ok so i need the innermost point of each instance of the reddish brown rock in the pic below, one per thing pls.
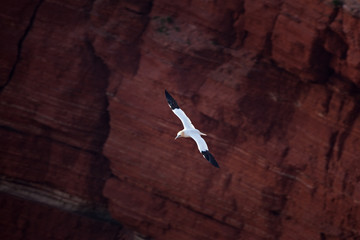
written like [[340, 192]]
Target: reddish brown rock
[[86, 127], [54, 119], [21, 219]]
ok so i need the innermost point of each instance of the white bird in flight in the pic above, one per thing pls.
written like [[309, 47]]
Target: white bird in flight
[[190, 131]]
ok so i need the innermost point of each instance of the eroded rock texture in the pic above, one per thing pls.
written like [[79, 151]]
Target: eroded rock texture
[[87, 137]]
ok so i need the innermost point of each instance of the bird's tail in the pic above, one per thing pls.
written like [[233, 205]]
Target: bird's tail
[[203, 134]]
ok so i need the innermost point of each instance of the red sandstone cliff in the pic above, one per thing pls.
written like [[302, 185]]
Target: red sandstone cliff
[[87, 137]]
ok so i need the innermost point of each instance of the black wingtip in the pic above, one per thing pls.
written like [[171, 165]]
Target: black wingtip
[[208, 156], [171, 101]]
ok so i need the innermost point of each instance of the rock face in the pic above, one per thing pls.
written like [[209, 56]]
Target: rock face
[[87, 137]]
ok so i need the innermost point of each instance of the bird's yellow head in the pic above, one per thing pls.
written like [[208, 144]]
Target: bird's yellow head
[[179, 134]]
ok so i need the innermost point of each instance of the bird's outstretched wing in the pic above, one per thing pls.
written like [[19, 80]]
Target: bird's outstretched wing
[[178, 112], [203, 148]]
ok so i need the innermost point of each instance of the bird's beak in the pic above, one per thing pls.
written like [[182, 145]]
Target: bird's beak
[[177, 137]]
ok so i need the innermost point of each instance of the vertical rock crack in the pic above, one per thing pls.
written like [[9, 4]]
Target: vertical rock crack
[[20, 44]]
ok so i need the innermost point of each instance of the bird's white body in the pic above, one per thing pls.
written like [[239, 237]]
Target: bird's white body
[[190, 132], [196, 135]]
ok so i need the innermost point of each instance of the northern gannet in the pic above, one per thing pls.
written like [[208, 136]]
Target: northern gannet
[[189, 130]]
